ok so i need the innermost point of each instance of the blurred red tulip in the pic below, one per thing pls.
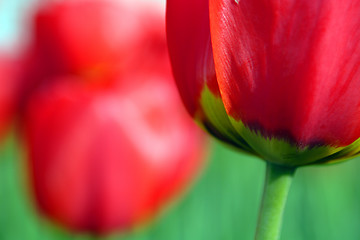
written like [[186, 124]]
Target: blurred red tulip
[[9, 73], [106, 151], [93, 39], [288, 74], [105, 159]]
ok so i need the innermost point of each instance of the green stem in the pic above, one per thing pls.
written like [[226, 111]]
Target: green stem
[[276, 187]]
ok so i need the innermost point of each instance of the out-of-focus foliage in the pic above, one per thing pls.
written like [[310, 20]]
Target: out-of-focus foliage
[[323, 203]]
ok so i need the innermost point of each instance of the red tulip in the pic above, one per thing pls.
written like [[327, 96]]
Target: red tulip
[[105, 159], [9, 71], [93, 39], [106, 150], [286, 77]]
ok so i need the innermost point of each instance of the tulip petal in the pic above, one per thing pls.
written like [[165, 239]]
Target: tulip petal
[[350, 151], [188, 35], [125, 152], [9, 72], [280, 151], [215, 121], [290, 70]]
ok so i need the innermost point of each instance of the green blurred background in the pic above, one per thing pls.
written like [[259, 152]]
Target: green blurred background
[[323, 204]]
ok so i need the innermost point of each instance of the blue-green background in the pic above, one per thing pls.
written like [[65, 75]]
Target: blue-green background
[[323, 204]]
